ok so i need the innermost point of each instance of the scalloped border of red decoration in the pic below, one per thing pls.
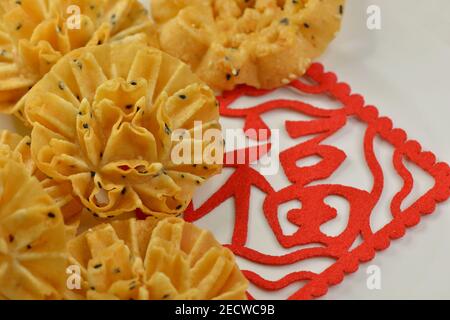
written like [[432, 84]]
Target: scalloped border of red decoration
[[380, 240]]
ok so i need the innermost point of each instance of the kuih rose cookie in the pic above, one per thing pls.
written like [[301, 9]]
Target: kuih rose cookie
[[151, 260], [33, 257], [262, 43], [61, 192], [105, 119], [35, 34]]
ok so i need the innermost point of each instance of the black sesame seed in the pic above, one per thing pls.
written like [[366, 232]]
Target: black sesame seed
[[284, 21], [182, 97], [129, 106], [19, 26], [98, 266], [124, 190], [341, 9], [133, 83], [306, 25], [29, 246], [51, 215], [167, 129], [93, 174], [85, 126], [11, 238], [179, 207], [79, 64]]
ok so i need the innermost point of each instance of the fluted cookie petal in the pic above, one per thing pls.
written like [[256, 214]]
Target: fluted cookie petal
[[33, 257], [110, 120], [167, 259], [261, 43], [35, 34]]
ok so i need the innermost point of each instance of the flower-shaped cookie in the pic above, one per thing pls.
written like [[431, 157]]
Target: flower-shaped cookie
[[151, 260], [261, 43], [109, 118], [61, 192], [35, 34], [33, 257]]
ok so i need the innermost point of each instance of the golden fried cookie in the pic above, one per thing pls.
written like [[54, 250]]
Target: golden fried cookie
[[61, 192], [35, 34], [151, 260], [33, 257], [261, 43], [107, 119]]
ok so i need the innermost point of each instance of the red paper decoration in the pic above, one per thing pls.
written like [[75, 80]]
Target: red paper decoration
[[314, 211]]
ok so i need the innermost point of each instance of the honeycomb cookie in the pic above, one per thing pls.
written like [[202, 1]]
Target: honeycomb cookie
[[111, 127], [154, 259], [61, 192], [260, 43], [33, 256], [35, 34]]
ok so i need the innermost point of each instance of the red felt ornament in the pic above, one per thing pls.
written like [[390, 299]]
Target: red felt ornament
[[314, 212]]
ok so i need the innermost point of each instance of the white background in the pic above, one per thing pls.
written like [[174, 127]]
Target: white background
[[404, 70]]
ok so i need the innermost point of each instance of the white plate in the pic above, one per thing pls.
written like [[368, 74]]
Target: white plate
[[403, 69]]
